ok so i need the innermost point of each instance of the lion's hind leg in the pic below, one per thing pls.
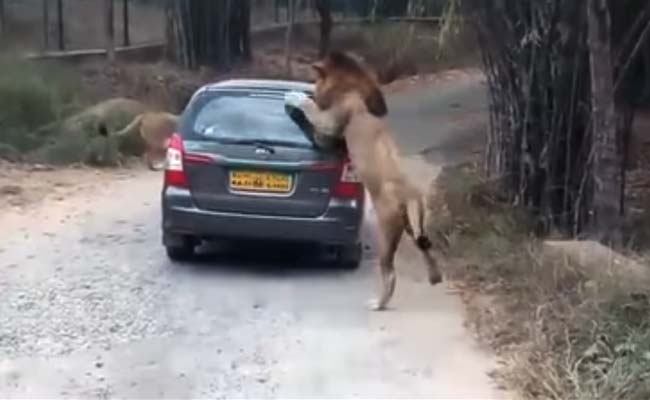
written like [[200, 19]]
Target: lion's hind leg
[[391, 230], [415, 223], [154, 161], [434, 274]]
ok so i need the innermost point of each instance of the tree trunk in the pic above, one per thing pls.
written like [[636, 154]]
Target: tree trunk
[[234, 31], [606, 162], [239, 30], [208, 32], [60, 28], [324, 8], [291, 13], [373, 10], [110, 30], [125, 23]]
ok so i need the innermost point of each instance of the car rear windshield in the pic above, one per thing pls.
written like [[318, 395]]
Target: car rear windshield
[[246, 117]]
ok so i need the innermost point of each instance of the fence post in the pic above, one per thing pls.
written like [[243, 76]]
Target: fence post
[[125, 22], [245, 21], [324, 9], [3, 21], [276, 10], [46, 24], [291, 15], [60, 27], [110, 30]]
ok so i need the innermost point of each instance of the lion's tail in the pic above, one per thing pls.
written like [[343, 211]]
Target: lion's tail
[[415, 214], [135, 124]]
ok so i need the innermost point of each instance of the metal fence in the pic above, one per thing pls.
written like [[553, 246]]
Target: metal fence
[[33, 26], [45, 25]]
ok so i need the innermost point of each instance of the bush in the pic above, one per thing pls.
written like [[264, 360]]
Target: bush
[[33, 95], [77, 147], [561, 334]]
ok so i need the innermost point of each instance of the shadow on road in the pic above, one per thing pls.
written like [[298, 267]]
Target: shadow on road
[[268, 259]]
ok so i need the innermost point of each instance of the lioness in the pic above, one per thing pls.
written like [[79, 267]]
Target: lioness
[[155, 130], [340, 110]]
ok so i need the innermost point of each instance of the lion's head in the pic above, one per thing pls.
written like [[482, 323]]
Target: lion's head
[[340, 73]]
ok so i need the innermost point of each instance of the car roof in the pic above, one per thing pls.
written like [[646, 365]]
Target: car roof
[[263, 84]]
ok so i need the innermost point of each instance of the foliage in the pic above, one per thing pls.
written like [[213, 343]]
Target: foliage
[[536, 58], [33, 95], [77, 139], [41, 116], [560, 333]]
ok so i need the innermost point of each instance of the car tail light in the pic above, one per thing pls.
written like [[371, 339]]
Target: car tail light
[[177, 159], [174, 172], [348, 185]]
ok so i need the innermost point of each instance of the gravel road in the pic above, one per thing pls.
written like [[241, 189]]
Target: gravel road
[[91, 308]]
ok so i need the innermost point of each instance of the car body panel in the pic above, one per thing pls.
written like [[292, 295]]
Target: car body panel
[[211, 208]]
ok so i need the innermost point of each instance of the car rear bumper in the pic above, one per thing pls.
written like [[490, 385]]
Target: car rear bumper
[[339, 225]]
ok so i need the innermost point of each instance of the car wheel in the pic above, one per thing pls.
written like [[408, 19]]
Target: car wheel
[[180, 253], [349, 257]]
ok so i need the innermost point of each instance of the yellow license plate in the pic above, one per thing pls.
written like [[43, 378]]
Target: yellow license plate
[[253, 181]]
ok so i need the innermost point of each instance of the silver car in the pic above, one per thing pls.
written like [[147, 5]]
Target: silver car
[[244, 166]]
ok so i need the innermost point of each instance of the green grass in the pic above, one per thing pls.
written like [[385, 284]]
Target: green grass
[[35, 100], [33, 95]]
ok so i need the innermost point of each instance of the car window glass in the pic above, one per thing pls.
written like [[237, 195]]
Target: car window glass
[[228, 117]]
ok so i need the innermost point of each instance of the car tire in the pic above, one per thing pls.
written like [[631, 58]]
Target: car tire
[[349, 257], [181, 253]]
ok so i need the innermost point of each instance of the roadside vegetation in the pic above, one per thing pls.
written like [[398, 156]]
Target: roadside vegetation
[[49, 111], [33, 95], [561, 333], [558, 154]]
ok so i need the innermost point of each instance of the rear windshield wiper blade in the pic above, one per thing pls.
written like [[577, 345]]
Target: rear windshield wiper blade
[[265, 143]]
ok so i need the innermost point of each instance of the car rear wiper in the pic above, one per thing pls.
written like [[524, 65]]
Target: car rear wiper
[[281, 143], [298, 117], [268, 144]]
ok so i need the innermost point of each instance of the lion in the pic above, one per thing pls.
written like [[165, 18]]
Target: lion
[[154, 130], [342, 108]]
